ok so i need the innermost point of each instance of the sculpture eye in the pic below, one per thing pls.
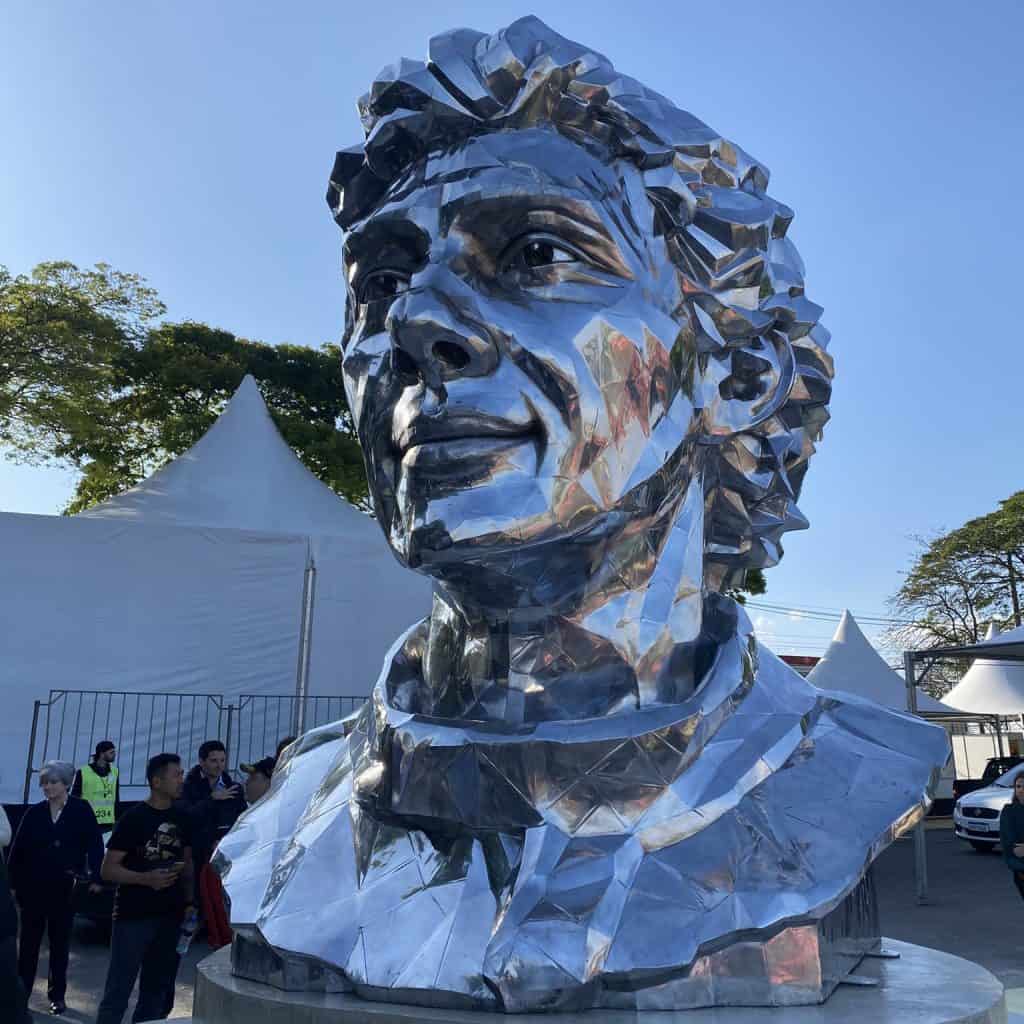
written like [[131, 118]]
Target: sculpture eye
[[381, 285], [535, 252]]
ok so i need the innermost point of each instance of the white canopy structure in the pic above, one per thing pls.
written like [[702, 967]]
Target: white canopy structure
[[991, 687], [853, 665], [1002, 645], [231, 571], [240, 475]]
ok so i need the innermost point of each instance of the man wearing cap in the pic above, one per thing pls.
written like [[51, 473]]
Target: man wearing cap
[[211, 892], [257, 785], [97, 783]]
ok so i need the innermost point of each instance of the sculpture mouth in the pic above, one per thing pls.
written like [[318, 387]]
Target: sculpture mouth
[[469, 460], [461, 436]]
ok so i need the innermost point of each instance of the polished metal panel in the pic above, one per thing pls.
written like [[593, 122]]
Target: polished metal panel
[[587, 384]]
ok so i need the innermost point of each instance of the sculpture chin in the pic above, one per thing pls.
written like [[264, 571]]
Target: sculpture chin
[[498, 557], [540, 542]]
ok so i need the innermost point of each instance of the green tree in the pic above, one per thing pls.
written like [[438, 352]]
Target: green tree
[[944, 600], [994, 545], [62, 331], [88, 379], [172, 386], [959, 582]]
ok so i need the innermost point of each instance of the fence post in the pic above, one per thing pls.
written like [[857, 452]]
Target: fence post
[[31, 750]]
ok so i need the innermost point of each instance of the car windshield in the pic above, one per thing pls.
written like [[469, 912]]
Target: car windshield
[[1006, 779]]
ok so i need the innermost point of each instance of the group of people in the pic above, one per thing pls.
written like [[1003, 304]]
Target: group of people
[[156, 854]]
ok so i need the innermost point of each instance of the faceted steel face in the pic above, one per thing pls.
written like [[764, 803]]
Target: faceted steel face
[[519, 368], [587, 384]]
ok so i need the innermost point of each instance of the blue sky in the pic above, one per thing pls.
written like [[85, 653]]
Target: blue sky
[[191, 142]]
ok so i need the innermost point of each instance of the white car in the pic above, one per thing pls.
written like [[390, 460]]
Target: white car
[[976, 815]]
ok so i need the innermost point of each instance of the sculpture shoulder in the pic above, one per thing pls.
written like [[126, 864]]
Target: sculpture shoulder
[[861, 773], [858, 715]]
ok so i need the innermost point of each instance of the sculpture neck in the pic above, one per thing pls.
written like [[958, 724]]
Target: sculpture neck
[[628, 637]]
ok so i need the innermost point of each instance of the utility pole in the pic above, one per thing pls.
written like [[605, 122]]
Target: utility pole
[[920, 848]]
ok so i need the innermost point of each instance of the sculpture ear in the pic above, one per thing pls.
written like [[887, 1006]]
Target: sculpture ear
[[746, 382]]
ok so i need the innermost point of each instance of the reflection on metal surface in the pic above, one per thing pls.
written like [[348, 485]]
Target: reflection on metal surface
[[922, 986], [587, 384]]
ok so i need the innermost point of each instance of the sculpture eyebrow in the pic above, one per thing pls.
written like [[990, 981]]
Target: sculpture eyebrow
[[387, 231], [526, 207], [498, 220], [393, 230]]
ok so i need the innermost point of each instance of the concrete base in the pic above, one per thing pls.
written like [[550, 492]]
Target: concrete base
[[923, 986]]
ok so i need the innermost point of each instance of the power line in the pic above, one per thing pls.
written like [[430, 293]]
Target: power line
[[785, 634], [821, 615], [807, 613], [826, 609]]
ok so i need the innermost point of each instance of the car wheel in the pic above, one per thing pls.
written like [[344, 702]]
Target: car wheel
[[982, 847]]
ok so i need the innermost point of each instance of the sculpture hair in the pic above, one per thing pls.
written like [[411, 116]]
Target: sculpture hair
[[742, 277]]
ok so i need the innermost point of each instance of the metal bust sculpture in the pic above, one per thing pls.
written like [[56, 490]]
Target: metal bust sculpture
[[587, 383]]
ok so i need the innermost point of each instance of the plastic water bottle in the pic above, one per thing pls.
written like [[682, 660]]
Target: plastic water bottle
[[187, 932]]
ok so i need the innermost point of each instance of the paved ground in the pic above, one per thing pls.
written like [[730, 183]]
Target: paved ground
[[88, 971], [973, 908], [973, 911]]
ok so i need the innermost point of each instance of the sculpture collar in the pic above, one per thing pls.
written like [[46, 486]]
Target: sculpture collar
[[661, 771]]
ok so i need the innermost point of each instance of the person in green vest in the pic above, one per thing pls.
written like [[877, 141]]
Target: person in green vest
[[97, 783]]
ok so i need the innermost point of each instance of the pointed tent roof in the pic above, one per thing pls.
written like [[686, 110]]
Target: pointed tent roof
[[1002, 646], [992, 687], [853, 665], [1009, 643], [240, 475]]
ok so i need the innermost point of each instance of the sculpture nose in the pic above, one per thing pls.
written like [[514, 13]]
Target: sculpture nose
[[434, 338]]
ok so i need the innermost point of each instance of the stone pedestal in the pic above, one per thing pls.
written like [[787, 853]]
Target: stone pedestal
[[923, 986]]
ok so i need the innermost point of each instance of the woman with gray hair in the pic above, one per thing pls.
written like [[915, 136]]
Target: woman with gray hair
[[55, 840]]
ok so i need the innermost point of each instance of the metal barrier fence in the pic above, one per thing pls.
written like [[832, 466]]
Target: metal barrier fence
[[263, 720], [67, 726]]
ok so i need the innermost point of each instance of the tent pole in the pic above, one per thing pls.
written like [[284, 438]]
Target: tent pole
[[911, 682], [305, 639], [920, 846]]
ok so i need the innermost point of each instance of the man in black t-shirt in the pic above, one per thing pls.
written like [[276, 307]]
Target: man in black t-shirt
[[149, 856]]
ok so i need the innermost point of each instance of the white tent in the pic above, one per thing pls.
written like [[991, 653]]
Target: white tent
[[240, 475], [1009, 644], [853, 665], [232, 571], [991, 687]]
